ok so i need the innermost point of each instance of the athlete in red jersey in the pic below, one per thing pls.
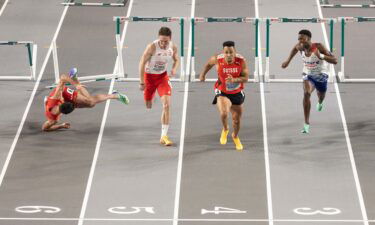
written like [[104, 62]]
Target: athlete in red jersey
[[153, 76], [64, 100], [232, 74]]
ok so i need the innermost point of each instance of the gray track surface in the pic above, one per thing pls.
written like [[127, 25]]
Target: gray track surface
[[20, 22], [358, 42], [1, 3], [357, 98], [140, 34], [209, 37], [55, 173], [214, 175], [145, 175], [361, 129], [303, 174]]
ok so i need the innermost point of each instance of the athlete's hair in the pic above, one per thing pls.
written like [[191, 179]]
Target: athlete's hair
[[66, 107], [228, 44], [165, 31], [305, 32]]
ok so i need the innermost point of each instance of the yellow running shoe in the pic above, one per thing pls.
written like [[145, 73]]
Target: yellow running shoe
[[223, 137], [237, 142], [165, 141]]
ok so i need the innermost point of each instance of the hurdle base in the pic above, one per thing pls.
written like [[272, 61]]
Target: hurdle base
[[16, 78]]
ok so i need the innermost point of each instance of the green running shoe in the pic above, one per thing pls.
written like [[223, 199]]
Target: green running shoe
[[319, 107], [122, 97], [306, 129]]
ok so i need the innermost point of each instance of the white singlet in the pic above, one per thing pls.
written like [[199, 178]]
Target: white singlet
[[159, 61]]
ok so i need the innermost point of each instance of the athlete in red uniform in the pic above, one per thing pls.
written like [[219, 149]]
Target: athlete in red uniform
[[232, 74], [153, 76], [64, 100]]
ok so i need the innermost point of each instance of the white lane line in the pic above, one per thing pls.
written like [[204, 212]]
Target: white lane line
[[345, 126], [264, 122], [182, 137], [102, 126], [10, 153], [180, 156], [183, 220], [3, 8]]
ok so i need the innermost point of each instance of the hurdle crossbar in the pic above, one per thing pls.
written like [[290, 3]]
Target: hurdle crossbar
[[32, 58], [119, 72], [98, 4], [181, 20], [330, 21], [254, 21], [346, 6], [341, 74]]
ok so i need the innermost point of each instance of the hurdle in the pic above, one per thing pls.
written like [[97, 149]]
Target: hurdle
[[326, 4], [32, 53], [254, 21], [119, 20], [341, 74], [118, 72], [331, 22], [98, 4]]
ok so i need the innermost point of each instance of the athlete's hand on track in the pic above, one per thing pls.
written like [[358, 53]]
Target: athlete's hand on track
[[202, 78], [66, 125], [142, 87]]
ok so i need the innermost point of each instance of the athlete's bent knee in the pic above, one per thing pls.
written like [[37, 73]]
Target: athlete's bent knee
[[165, 106]]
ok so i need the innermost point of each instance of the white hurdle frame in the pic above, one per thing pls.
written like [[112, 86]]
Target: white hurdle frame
[[32, 56], [98, 4], [119, 68], [121, 19], [341, 73], [255, 21]]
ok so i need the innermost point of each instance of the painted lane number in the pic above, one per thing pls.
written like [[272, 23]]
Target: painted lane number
[[38, 209], [222, 210], [133, 210], [306, 211]]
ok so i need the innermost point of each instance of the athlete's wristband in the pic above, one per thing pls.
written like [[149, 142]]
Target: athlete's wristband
[[322, 56]]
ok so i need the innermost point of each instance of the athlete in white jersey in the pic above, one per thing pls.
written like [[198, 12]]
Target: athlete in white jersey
[[153, 76], [315, 74]]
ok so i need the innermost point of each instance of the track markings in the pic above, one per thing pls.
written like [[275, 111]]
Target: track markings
[[306, 211], [135, 210], [38, 209]]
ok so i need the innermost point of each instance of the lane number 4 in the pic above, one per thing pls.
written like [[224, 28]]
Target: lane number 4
[[222, 210]]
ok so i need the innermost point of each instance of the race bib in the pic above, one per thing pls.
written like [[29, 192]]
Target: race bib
[[159, 66], [232, 86]]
